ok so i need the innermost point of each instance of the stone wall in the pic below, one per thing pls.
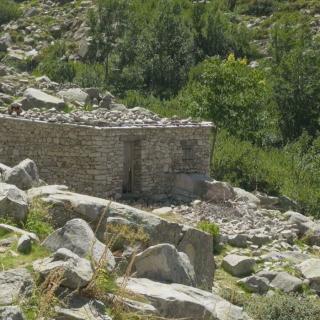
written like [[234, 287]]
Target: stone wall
[[91, 159]]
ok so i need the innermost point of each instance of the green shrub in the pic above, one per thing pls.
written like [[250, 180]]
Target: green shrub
[[57, 70], [231, 94], [38, 219], [212, 229], [293, 171], [283, 307], [165, 108], [54, 65], [9, 10], [261, 7], [89, 75]]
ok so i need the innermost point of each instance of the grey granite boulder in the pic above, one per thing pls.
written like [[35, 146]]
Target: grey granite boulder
[[24, 244], [31, 168], [3, 169], [66, 205], [190, 186], [24, 175], [77, 272], [164, 263], [238, 265], [77, 236], [11, 313], [310, 270], [80, 308], [177, 301], [19, 177], [255, 284], [35, 98], [286, 282], [302, 222], [74, 95], [14, 284], [238, 240], [13, 202]]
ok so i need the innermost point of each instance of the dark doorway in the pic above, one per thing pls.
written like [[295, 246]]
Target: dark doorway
[[128, 167]]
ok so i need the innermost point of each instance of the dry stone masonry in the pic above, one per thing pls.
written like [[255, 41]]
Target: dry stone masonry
[[101, 160]]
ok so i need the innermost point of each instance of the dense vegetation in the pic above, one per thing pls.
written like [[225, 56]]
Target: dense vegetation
[[284, 307], [193, 59], [8, 10], [260, 85]]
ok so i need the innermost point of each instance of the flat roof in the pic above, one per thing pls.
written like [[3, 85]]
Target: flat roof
[[102, 123]]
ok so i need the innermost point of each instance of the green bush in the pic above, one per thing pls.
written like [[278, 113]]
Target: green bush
[[38, 219], [261, 7], [54, 65], [58, 71], [9, 10], [293, 171], [212, 229], [284, 307], [89, 75], [165, 108], [232, 95]]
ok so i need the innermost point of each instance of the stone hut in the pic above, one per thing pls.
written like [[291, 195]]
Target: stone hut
[[96, 156]]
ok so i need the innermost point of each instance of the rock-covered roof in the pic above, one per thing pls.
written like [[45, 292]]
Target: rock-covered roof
[[136, 117], [82, 106]]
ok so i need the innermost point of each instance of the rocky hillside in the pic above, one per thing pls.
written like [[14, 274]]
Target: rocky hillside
[[70, 256], [66, 256]]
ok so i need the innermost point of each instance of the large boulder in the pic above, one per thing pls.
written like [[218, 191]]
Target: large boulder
[[195, 186], [11, 313], [12, 229], [281, 203], [238, 265], [65, 205], [302, 222], [13, 202], [255, 284], [80, 308], [15, 284], [286, 282], [74, 95], [35, 98], [24, 244], [238, 240], [310, 270], [3, 169], [31, 168], [77, 236], [77, 272], [24, 175], [243, 195], [306, 226], [19, 177], [177, 301], [164, 263]]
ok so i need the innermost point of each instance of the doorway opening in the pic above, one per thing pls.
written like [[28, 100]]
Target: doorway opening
[[128, 167]]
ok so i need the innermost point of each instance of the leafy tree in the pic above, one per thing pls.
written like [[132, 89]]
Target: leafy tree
[[215, 34], [231, 94], [107, 25], [166, 50], [296, 90], [289, 32], [296, 76]]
